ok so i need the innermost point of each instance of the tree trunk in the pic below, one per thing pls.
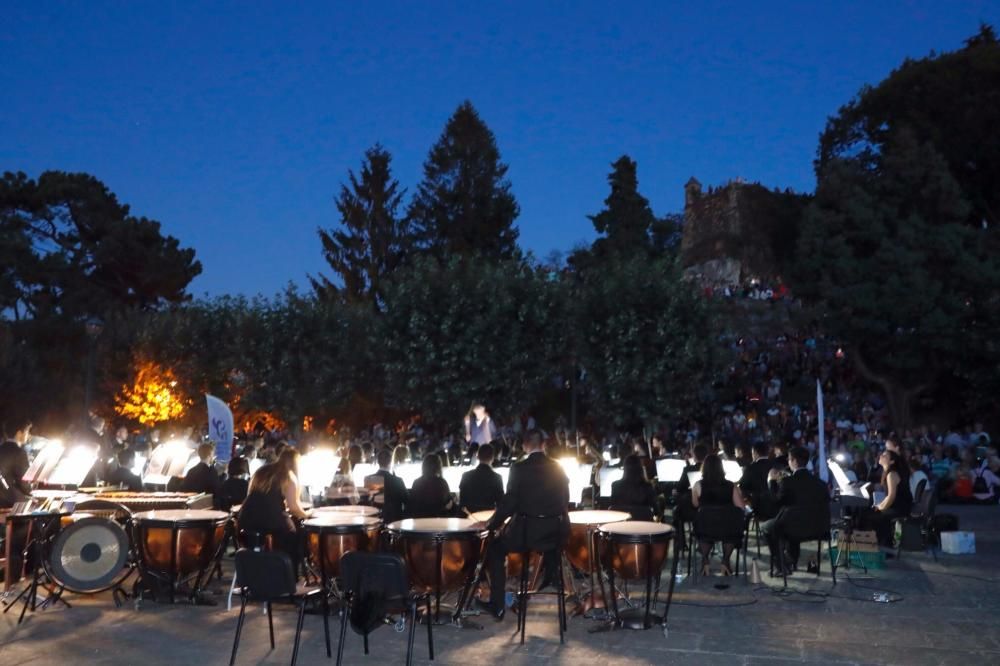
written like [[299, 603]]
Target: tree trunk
[[898, 395]]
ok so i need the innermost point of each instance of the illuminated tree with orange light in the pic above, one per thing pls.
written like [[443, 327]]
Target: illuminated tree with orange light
[[153, 397]]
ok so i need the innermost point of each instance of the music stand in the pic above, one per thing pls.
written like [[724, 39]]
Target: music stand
[[670, 470], [41, 526]]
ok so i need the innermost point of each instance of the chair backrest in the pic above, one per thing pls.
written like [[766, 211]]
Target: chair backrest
[[805, 522], [924, 507], [720, 522], [919, 491], [358, 570], [266, 575], [375, 582]]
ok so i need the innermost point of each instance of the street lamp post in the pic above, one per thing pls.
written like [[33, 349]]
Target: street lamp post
[[93, 327]]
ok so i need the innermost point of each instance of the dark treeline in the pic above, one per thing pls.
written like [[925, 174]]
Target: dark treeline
[[430, 303]]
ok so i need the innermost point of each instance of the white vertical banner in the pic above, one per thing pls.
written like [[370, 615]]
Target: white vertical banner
[[220, 427], [824, 471]]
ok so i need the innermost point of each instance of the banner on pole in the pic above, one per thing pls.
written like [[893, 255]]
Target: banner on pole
[[824, 470], [220, 427]]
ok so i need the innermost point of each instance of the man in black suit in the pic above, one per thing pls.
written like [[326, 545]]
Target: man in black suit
[[537, 486], [482, 488], [754, 484], [799, 489], [122, 474], [202, 478], [394, 491]]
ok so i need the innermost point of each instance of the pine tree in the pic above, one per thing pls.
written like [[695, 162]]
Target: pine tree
[[464, 206], [627, 219], [373, 239]]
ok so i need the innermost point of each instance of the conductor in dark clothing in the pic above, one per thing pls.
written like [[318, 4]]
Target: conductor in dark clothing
[[482, 488], [799, 489], [394, 493], [754, 484], [122, 475], [537, 486], [202, 478]]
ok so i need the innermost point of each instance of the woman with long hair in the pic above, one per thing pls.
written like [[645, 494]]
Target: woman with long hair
[[634, 490], [430, 495], [714, 490], [898, 500], [272, 504]]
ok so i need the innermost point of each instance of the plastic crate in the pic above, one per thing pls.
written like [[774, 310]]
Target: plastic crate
[[862, 558]]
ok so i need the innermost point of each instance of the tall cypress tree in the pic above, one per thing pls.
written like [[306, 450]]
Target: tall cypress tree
[[464, 206], [373, 239], [627, 220]]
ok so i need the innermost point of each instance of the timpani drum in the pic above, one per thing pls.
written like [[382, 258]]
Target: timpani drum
[[582, 525], [441, 554], [330, 535], [636, 550], [176, 545], [347, 509]]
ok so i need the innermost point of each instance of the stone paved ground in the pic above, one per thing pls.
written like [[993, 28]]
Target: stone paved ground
[[948, 614]]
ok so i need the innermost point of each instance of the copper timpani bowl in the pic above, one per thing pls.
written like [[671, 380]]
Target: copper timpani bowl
[[330, 535], [635, 549], [420, 540], [581, 526], [194, 536]]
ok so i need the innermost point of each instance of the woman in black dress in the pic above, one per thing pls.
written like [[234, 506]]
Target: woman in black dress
[[714, 490], [898, 501], [272, 503]]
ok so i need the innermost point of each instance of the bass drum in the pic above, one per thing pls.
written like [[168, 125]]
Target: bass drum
[[89, 555]]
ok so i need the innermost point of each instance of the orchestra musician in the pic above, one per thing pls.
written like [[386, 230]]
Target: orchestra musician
[[272, 503], [14, 464], [202, 478], [754, 483], [800, 488], [122, 475], [394, 493], [537, 486], [482, 488], [430, 495]]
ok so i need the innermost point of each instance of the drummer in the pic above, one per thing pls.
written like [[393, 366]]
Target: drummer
[[481, 489], [273, 502], [537, 486]]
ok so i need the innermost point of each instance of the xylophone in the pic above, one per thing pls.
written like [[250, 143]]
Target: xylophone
[[150, 501]]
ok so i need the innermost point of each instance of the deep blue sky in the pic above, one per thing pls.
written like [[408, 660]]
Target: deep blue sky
[[234, 124]]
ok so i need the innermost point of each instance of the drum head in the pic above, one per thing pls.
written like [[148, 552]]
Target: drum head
[[596, 517], [89, 555]]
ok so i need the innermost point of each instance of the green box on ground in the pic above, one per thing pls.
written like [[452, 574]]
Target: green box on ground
[[860, 558]]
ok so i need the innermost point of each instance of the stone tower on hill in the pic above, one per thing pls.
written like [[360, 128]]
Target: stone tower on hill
[[738, 232]]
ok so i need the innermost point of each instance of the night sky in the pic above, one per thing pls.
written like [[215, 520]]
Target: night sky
[[234, 125]]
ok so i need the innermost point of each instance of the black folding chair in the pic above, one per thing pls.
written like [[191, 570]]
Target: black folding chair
[[725, 523], [801, 524], [917, 529], [381, 577], [549, 546], [269, 577]]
